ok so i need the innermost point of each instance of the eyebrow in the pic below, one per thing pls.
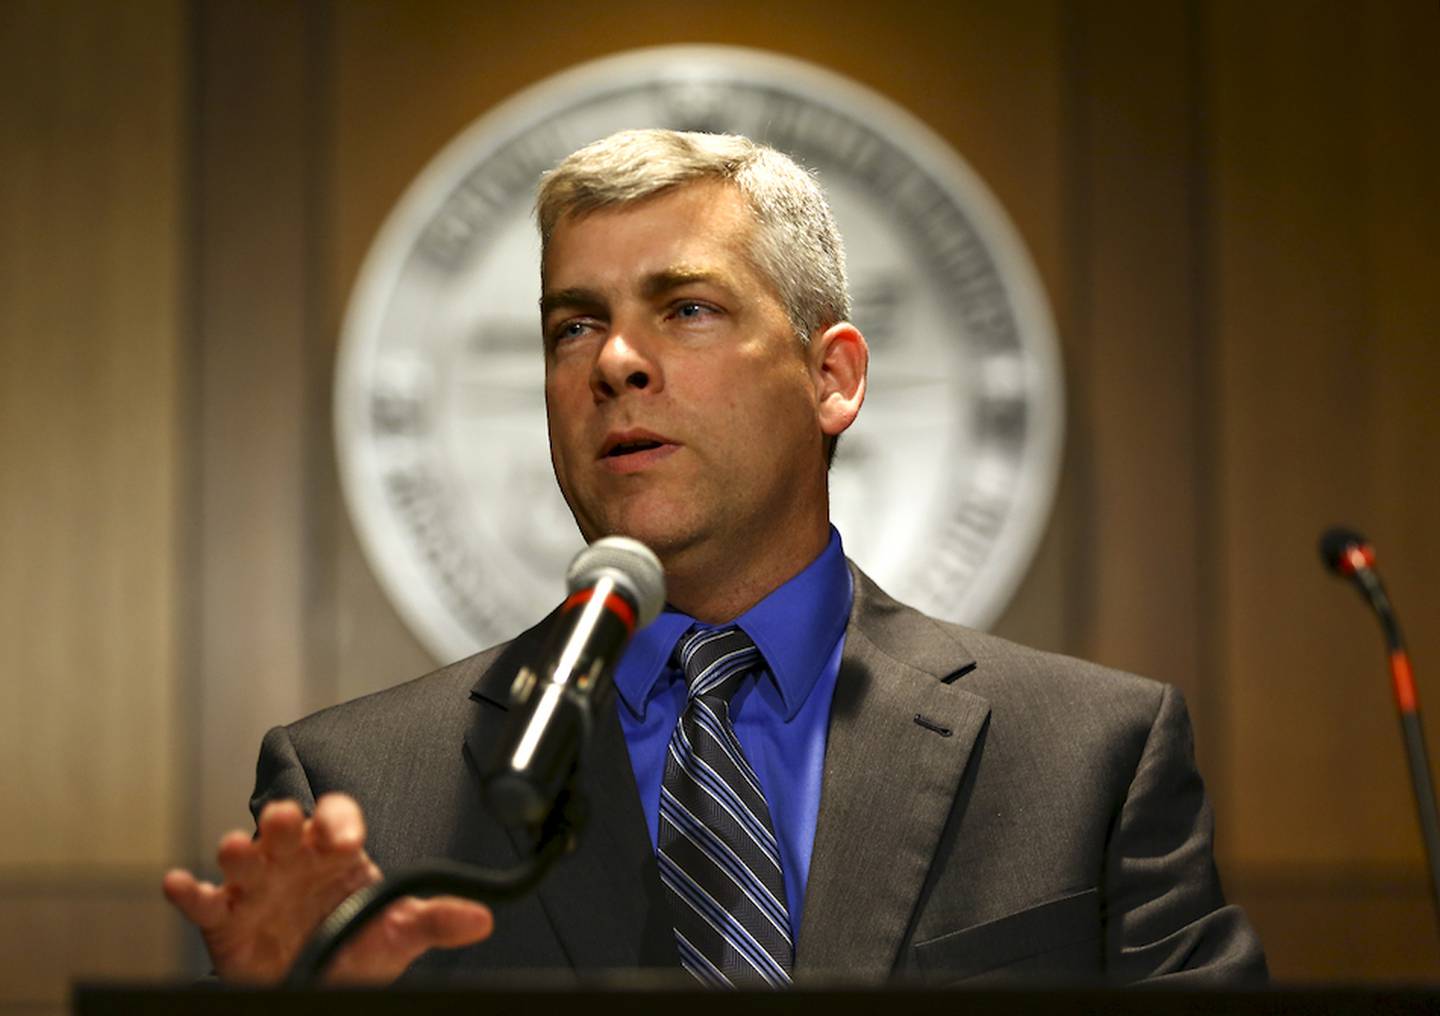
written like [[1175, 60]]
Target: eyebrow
[[653, 285], [568, 298], [673, 278]]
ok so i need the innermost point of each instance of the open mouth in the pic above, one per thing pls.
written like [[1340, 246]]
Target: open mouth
[[631, 447]]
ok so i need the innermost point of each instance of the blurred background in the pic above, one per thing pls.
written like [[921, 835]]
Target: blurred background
[[1233, 208]]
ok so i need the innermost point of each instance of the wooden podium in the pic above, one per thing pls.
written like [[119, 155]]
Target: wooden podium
[[160, 1000]]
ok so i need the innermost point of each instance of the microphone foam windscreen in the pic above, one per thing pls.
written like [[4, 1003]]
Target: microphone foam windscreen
[[634, 567]]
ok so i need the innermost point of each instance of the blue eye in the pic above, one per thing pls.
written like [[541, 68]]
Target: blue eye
[[568, 330], [692, 309]]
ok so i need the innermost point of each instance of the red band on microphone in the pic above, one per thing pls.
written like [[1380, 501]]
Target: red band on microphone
[[1404, 682], [615, 604], [1355, 557]]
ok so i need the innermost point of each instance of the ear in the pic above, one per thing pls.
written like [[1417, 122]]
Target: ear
[[839, 360]]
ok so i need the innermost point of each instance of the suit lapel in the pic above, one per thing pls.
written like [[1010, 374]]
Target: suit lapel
[[889, 785], [605, 900]]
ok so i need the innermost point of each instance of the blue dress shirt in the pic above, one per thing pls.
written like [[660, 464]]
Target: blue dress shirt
[[781, 720]]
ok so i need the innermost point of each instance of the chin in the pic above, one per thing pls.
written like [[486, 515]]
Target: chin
[[664, 533]]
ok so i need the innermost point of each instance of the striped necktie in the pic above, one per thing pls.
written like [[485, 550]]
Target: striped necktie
[[718, 855]]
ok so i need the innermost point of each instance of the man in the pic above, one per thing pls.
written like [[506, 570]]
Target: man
[[802, 778]]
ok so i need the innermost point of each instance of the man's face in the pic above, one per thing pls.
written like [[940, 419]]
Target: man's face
[[682, 407]]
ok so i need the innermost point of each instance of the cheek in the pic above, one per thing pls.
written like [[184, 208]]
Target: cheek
[[770, 422], [559, 404], [562, 447], [787, 398]]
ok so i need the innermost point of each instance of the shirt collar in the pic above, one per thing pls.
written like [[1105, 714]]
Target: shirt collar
[[795, 627]]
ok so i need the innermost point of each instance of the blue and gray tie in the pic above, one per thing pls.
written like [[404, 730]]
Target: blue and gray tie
[[718, 855]]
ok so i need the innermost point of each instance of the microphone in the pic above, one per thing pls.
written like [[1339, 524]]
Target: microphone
[[616, 587], [1345, 551], [1349, 555]]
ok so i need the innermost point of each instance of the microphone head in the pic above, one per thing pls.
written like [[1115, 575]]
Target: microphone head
[[633, 567], [1344, 551]]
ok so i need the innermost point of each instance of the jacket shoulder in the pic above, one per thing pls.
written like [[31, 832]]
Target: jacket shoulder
[[989, 665], [1066, 679], [411, 703]]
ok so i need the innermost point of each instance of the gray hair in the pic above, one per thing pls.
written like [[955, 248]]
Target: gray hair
[[796, 245]]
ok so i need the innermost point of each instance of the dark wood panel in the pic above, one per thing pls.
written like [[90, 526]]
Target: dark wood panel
[[1305, 411], [1342, 925], [63, 930], [90, 142], [250, 278], [1137, 349], [1402, 208]]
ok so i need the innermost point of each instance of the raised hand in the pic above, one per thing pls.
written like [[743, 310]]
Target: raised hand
[[281, 884]]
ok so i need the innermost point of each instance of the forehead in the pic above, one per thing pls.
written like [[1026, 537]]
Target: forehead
[[703, 223]]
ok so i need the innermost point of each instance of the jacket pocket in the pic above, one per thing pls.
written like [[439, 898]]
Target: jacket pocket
[[1061, 936]]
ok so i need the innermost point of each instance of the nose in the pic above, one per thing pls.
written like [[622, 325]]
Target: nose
[[621, 365]]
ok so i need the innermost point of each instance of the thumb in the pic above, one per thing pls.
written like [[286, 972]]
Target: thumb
[[408, 928], [448, 922]]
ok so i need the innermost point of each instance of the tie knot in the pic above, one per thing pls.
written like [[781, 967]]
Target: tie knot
[[714, 659]]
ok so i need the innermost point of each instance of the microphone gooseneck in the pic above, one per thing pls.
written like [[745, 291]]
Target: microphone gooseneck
[[1350, 556]]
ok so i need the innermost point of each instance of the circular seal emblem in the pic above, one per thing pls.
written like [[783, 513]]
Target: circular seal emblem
[[942, 488]]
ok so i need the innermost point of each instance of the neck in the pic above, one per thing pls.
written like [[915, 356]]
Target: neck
[[717, 585]]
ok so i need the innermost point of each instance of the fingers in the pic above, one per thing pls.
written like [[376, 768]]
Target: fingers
[[181, 889], [202, 903], [281, 824], [291, 850], [279, 884], [240, 859], [338, 824]]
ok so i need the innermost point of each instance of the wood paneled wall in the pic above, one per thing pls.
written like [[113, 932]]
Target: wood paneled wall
[[91, 755], [1325, 316], [1232, 206]]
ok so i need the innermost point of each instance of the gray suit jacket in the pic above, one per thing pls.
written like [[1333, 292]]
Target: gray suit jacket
[[988, 812]]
